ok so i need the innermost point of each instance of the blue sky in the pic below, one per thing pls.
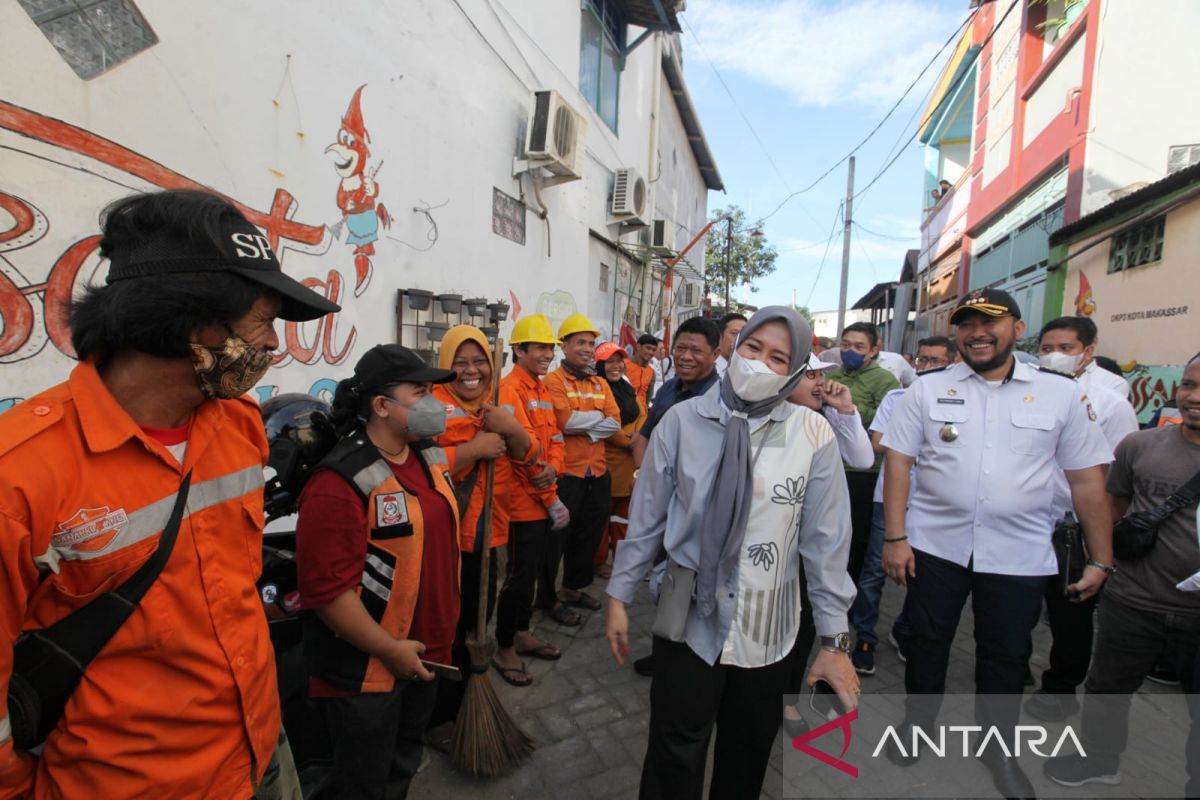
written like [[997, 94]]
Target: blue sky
[[813, 77]]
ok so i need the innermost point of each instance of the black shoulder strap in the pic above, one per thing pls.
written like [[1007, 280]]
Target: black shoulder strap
[[1184, 496], [84, 632]]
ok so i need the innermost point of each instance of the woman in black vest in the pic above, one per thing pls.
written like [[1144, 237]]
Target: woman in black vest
[[377, 559]]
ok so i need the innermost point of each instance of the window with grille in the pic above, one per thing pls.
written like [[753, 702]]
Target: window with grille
[[604, 277], [1137, 246], [602, 36], [92, 36]]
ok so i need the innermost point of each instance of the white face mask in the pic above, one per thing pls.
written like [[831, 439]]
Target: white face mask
[[752, 380], [1061, 362]]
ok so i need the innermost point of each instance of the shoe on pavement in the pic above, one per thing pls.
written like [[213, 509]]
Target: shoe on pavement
[[900, 647], [644, 666], [795, 727], [1163, 674], [1075, 770], [863, 658], [895, 754], [1007, 776], [1048, 707]]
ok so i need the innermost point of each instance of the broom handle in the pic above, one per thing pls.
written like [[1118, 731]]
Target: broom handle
[[489, 490]]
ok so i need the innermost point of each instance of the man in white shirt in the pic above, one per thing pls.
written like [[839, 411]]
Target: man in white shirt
[[1097, 374], [1067, 344], [731, 327], [898, 366], [933, 353], [985, 436]]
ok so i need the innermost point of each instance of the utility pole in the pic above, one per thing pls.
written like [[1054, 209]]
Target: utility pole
[[728, 257], [841, 318]]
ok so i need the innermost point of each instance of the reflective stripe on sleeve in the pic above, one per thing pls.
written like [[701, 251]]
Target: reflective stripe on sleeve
[[557, 437], [152, 518], [5, 730], [539, 405]]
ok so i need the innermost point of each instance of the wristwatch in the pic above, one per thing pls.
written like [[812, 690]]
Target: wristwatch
[[1107, 569], [838, 643]]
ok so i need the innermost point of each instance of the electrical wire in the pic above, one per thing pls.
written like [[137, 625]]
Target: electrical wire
[[954, 36], [733, 100], [865, 229], [432, 234], [863, 249], [828, 242], [951, 90]]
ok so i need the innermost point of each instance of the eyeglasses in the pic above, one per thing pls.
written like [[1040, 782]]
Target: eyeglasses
[[930, 361], [812, 374]]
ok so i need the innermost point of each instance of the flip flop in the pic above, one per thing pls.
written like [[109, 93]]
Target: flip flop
[[565, 616], [581, 600], [504, 672], [544, 652]]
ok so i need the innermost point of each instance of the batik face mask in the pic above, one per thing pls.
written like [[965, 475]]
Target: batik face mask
[[230, 369]]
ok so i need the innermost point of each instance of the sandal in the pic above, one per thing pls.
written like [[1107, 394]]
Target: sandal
[[581, 600], [504, 674], [544, 652], [565, 616]]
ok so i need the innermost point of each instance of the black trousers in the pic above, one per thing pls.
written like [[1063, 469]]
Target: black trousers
[[1071, 640], [1129, 643], [1006, 609], [588, 500], [376, 740], [687, 698], [527, 542], [804, 639], [862, 507], [450, 693]]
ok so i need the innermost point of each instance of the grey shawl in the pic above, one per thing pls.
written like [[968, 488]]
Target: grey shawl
[[724, 524]]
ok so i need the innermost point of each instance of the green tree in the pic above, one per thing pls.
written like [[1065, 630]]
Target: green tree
[[804, 312], [735, 253]]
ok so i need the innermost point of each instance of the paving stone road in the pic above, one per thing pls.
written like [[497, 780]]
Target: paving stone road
[[589, 717]]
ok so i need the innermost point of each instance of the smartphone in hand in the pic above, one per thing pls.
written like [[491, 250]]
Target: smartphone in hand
[[825, 702], [445, 671]]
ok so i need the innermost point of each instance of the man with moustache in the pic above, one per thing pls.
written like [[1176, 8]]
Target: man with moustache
[[985, 435]]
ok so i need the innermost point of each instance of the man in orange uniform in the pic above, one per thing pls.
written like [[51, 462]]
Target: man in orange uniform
[[587, 414], [639, 370], [534, 508], [181, 701]]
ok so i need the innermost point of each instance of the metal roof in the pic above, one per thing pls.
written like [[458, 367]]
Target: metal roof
[[656, 15], [1161, 188], [691, 120]]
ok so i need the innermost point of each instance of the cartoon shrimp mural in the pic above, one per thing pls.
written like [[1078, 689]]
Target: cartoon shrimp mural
[[357, 191]]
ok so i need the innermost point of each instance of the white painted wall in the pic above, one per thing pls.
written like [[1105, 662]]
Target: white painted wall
[[244, 98], [1143, 101]]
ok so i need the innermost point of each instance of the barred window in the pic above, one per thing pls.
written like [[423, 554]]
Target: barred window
[[92, 36], [1137, 246]]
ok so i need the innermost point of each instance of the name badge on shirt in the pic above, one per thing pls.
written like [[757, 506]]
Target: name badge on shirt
[[953, 401]]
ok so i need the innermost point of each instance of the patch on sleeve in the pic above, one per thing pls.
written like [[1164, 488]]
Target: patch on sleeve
[[391, 509]]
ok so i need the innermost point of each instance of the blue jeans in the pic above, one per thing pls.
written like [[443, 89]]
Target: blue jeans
[[865, 612]]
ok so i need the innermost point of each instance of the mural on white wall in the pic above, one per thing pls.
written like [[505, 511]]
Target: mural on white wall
[[357, 191]]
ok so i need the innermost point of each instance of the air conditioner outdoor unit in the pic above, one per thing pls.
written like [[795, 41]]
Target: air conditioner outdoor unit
[[556, 132], [662, 237], [1182, 156], [629, 194]]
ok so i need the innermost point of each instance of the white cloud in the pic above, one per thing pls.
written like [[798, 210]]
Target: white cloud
[[823, 53]]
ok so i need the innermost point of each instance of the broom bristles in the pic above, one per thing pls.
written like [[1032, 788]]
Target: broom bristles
[[487, 742]]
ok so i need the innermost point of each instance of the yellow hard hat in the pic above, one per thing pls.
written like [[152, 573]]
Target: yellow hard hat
[[535, 328], [576, 323]]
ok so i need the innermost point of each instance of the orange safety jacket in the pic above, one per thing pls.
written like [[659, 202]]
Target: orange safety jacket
[[461, 427], [391, 578], [182, 701], [527, 503], [1170, 416], [582, 455], [640, 378]]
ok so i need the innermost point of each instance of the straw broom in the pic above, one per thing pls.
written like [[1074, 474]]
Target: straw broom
[[487, 742]]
